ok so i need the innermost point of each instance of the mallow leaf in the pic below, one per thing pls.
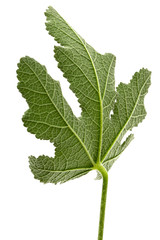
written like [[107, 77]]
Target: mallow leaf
[[95, 139]]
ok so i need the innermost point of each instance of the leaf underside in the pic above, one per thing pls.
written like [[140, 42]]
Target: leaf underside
[[97, 136]]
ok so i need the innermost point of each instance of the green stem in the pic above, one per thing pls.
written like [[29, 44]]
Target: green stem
[[103, 201]]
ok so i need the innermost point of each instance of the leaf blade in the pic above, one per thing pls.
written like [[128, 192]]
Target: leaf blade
[[95, 137]]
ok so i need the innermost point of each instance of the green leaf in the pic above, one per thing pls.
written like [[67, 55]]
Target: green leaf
[[82, 144]]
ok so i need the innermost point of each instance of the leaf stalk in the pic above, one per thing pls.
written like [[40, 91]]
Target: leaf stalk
[[104, 173]]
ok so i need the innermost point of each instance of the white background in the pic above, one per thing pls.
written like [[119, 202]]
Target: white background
[[32, 210]]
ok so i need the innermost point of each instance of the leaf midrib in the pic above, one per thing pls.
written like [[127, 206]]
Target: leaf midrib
[[99, 92], [97, 80], [62, 171]]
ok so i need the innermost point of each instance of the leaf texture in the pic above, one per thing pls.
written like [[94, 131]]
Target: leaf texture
[[97, 136]]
